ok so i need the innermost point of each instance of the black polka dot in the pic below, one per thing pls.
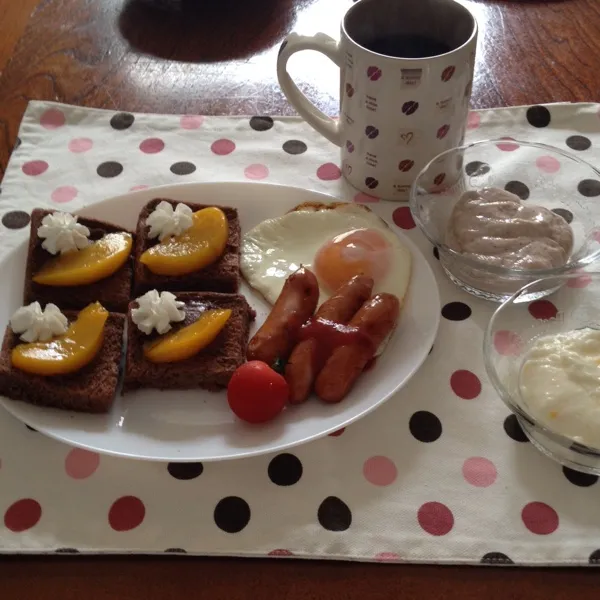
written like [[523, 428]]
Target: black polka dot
[[15, 219], [294, 147], [567, 215], [285, 469], [122, 120], [513, 429], [476, 168], [594, 558], [261, 123], [590, 188], [110, 168], [578, 142], [17, 143], [579, 479], [538, 116], [232, 514], [334, 514], [436, 252], [425, 426], [66, 551], [496, 558], [456, 311], [175, 551], [183, 168], [518, 188], [185, 471]]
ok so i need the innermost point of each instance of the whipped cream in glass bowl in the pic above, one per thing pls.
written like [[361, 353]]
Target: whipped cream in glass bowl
[[503, 213], [543, 359]]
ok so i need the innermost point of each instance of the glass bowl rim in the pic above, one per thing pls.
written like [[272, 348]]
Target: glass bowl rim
[[497, 270], [488, 343]]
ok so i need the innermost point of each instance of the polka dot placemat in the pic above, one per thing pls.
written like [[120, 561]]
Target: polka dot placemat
[[440, 473]]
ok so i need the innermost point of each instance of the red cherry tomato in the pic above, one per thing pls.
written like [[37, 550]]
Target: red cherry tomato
[[256, 393]]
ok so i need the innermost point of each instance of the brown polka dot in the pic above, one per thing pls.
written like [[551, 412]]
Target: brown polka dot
[[261, 123], [110, 168], [183, 168], [15, 219], [122, 120], [294, 147]]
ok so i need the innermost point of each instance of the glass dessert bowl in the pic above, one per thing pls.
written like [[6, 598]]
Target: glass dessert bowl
[[545, 226], [543, 359]]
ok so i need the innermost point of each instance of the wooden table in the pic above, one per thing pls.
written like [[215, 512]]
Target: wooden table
[[218, 57]]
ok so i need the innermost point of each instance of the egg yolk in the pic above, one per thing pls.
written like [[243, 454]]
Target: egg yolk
[[356, 252]]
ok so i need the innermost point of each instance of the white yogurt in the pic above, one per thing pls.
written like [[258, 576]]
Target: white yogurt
[[560, 384]]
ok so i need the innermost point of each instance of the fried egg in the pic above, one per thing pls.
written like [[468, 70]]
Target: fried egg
[[336, 242]]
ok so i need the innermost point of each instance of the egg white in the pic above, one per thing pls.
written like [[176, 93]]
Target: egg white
[[277, 247]]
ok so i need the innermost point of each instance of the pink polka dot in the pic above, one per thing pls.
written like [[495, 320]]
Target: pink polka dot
[[465, 385], [222, 147], [80, 464], [152, 146], [507, 146], [191, 121], [136, 188], [22, 515], [280, 552], [52, 119], [64, 193], [363, 198], [547, 164], [595, 235], [508, 343], [256, 171], [539, 518], [80, 145], [35, 167], [473, 120], [338, 432], [402, 218], [380, 470], [435, 518], [387, 557], [479, 471], [126, 513], [329, 172], [579, 282], [543, 309]]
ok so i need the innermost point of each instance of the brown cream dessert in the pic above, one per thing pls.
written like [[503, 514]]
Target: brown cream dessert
[[494, 227]]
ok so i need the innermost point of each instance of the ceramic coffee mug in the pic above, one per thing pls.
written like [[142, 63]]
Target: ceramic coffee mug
[[406, 71]]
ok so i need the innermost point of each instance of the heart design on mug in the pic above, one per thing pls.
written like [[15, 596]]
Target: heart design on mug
[[371, 183], [407, 137], [348, 168], [439, 179], [349, 90], [349, 146]]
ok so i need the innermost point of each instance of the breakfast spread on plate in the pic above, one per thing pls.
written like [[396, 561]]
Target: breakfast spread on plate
[[494, 227], [166, 299], [560, 384]]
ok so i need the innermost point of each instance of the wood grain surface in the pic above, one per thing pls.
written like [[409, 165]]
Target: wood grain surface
[[218, 57]]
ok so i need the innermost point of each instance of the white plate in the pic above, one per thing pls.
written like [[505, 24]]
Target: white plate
[[198, 425]]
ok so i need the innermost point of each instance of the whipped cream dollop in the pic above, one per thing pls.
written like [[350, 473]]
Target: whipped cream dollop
[[157, 310], [62, 233], [166, 221], [37, 325]]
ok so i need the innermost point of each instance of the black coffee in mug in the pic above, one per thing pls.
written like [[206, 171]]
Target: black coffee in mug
[[407, 46]]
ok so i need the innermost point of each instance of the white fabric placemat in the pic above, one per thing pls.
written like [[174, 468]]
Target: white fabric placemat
[[440, 473]]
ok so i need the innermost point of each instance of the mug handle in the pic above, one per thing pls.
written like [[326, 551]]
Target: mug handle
[[320, 42]]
